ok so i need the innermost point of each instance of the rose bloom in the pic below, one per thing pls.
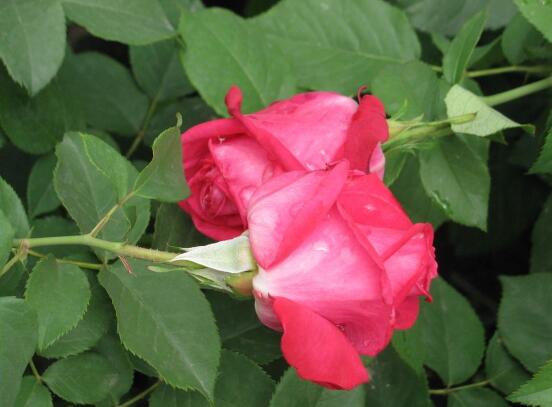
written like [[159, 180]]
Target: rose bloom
[[226, 160], [341, 266]]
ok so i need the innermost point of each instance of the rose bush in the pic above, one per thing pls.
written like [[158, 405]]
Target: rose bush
[[226, 160], [341, 266]]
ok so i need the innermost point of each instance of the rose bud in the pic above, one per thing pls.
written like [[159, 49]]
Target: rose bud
[[226, 160], [341, 266]]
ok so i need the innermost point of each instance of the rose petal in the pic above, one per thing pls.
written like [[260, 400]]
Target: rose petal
[[368, 128], [317, 348], [287, 208]]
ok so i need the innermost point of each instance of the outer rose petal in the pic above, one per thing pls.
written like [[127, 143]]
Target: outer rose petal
[[407, 312], [317, 348], [311, 126], [287, 208], [368, 128], [377, 162]]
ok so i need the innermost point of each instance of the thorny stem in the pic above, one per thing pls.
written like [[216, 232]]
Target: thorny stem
[[141, 395], [444, 392]]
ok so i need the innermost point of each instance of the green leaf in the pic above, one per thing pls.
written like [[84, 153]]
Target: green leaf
[[539, 13], [83, 379], [453, 332], [138, 22], [107, 93], [36, 124], [292, 391], [541, 248], [163, 178], [505, 373], [175, 8], [25, 28], [13, 210], [544, 162], [158, 70], [12, 284], [488, 121], [537, 391], [164, 319], [41, 196], [411, 194], [413, 85], [59, 293], [174, 229], [18, 339], [524, 319], [394, 383], [245, 335], [217, 38], [324, 56], [476, 398], [110, 346], [89, 329], [456, 177], [6, 239], [235, 370], [410, 347], [518, 38], [457, 56], [167, 396], [90, 179], [193, 110], [33, 394]]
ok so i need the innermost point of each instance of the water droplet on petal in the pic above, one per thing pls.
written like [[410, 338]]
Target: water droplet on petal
[[321, 247], [221, 139], [310, 166], [369, 207]]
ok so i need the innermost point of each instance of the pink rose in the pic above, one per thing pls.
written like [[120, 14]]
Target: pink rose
[[226, 160], [340, 267]]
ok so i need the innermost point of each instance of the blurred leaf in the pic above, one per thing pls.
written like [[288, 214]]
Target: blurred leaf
[[487, 121], [524, 319], [453, 333], [476, 398], [41, 196], [167, 396], [292, 391], [36, 124], [234, 371], [164, 319], [175, 8], [458, 54], [18, 339], [341, 59], [137, 22], [537, 391], [518, 37], [6, 239], [25, 28], [59, 293], [240, 329], [544, 162], [163, 178], [33, 394], [541, 249], [447, 17], [456, 177], [13, 210], [413, 85], [110, 346], [394, 383], [504, 372], [106, 93], [89, 329], [539, 13], [411, 194], [83, 379], [158, 70], [216, 38], [174, 229]]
